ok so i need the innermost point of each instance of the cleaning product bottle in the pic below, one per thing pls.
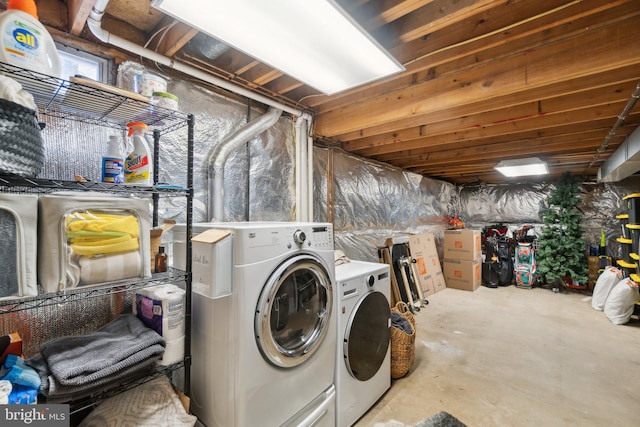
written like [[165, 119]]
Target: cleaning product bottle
[[24, 42], [113, 163], [138, 166]]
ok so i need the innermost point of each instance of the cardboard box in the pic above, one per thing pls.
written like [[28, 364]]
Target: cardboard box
[[10, 344], [155, 239], [462, 244], [427, 266], [463, 274], [212, 263]]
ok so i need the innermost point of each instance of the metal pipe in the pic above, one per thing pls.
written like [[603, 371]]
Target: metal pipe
[[220, 153]]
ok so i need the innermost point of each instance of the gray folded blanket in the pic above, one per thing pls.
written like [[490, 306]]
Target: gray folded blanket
[[401, 323], [114, 352]]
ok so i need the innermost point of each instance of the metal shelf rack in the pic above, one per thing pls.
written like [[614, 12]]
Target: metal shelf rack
[[113, 108]]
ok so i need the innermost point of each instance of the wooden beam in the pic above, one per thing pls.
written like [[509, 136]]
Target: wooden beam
[[586, 117], [625, 75], [175, 37], [596, 52], [78, 12], [572, 134], [600, 96], [438, 14], [505, 25]]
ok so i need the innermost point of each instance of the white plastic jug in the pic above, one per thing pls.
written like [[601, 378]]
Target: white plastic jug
[[24, 42]]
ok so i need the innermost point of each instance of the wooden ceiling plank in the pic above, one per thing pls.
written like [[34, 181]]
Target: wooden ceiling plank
[[509, 150], [603, 50], [175, 37], [600, 96], [467, 140], [513, 128], [401, 158], [78, 12], [622, 76], [516, 21], [439, 14], [383, 12]]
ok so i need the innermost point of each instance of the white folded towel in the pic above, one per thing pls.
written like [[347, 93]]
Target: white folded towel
[[110, 268]]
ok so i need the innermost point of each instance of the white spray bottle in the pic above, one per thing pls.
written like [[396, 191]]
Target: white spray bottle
[[138, 166]]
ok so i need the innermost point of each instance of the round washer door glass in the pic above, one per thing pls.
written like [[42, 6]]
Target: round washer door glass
[[367, 336], [293, 312]]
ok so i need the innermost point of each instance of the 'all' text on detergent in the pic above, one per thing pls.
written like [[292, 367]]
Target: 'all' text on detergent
[[24, 42], [138, 166]]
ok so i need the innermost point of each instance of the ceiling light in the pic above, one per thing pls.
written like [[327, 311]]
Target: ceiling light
[[313, 41], [522, 167]]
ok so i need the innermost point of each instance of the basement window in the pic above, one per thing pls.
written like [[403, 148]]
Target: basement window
[[76, 62]]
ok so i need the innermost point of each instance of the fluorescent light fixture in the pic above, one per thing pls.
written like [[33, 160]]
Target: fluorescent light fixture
[[313, 41], [522, 167]]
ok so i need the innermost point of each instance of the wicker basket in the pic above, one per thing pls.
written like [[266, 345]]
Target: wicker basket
[[402, 344], [21, 147]]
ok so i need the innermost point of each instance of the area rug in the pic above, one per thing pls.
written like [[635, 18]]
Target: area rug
[[441, 419]]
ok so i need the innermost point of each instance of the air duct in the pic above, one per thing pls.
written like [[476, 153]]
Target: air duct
[[220, 153], [625, 161]]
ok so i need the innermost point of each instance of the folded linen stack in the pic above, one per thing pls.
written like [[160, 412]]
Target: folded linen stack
[[78, 366], [106, 245]]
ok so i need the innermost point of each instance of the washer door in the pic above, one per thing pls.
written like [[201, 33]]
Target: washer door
[[367, 336], [294, 311]]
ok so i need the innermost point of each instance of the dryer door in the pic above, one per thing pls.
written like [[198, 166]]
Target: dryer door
[[294, 311], [367, 336]]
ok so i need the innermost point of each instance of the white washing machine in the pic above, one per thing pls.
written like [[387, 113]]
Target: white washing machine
[[363, 362], [264, 355]]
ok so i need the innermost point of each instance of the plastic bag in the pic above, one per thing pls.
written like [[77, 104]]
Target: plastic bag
[[622, 298]]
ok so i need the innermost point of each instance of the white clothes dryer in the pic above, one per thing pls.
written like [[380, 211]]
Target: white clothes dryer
[[363, 358], [264, 354]]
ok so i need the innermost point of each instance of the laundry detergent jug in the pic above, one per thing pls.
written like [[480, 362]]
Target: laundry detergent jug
[[24, 42]]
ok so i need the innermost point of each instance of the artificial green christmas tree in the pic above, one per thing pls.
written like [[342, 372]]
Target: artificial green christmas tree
[[561, 248]]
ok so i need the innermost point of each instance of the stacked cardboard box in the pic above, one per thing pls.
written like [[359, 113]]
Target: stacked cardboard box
[[462, 263], [427, 263]]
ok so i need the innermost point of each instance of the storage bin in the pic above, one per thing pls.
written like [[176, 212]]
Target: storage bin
[[624, 220], [632, 203], [21, 146], [627, 268], [91, 238], [634, 235], [625, 244], [18, 252]]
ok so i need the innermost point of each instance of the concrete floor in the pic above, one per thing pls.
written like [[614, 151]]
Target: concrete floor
[[517, 357]]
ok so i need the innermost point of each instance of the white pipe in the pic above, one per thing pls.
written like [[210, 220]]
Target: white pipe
[[220, 153], [298, 176], [304, 195], [94, 23], [310, 179]]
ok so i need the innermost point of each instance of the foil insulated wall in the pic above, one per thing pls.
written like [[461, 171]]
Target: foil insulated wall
[[369, 202], [259, 179], [516, 205]]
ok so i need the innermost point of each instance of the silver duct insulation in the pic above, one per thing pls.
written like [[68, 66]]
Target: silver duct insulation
[[221, 152]]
